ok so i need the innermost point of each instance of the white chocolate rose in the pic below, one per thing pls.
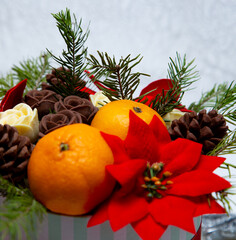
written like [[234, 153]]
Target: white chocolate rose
[[174, 114], [99, 99], [24, 119]]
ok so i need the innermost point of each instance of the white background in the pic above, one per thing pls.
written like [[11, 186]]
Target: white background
[[156, 29]]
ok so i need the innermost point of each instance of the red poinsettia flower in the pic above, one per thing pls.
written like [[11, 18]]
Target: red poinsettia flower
[[160, 182]]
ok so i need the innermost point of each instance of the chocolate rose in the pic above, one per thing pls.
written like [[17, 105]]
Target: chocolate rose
[[52, 121], [81, 105], [43, 100]]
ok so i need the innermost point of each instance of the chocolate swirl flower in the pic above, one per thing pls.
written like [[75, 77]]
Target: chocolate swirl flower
[[43, 100], [80, 105], [51, 121]]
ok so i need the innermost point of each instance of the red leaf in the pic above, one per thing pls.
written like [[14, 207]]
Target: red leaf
[[196, 183], [100, 215], [117, 147], [13, 96], [140, 141], [176, 211], [148, 229], [160, 131], [126, 209], [127, 173], [180, 156], [203, 206], [209, 163]]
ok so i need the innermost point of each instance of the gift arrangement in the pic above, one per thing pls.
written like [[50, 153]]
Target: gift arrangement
[[80, 145]]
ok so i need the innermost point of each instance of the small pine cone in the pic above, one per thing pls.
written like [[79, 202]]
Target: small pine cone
[[205, 128], [58, 77], [15, 151]]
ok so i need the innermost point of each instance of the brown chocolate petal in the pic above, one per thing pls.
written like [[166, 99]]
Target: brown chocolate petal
[[51, 122], [43, 100], [80, 105]]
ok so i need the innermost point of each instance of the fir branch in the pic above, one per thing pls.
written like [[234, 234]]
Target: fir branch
[[223, 197], [18, 211], [120, 82], [34, 69], [221, 98], [208, 98], [74, 57], [183, 75], [6, 83], [226, 146]]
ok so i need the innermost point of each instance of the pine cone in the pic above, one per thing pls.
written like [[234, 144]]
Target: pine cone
[[58, 77], [205, 128], [15, 151]]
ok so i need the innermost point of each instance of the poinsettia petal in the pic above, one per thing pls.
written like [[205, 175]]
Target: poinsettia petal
[[117, 148], [148, 229], [196, 183], [160, 131], [176, 211], [204, 207], [127, 173], [180, 155], [126, 209], [209, 163], [100, 215], [140, 141]]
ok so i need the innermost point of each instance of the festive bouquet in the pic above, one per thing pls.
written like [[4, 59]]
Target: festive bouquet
[[74, 140]]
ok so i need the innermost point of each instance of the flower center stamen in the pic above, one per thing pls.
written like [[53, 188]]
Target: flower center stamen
[[153, 184]]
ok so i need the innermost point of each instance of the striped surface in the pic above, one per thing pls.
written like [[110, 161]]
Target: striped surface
[[56, 227]]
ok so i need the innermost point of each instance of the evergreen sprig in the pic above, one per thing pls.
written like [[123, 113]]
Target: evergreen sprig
[[19, 211], [224, 197], [34, 69], [120, 82], [182, 74], [222, 98], [74, 57], [6, 82]]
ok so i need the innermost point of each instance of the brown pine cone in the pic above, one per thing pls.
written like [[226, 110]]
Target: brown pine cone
[[43, 100], [205, 128], [57, 77], [51, 122], [15, 151], [80, 105]]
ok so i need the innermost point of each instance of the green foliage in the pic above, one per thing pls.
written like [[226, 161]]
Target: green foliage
[[19, 211], [74, 57], [224, 197], [222, 98], [119, 80], [5, 84], [183, 75], [34, 69]]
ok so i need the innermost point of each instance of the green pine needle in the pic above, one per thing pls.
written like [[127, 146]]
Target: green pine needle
[[74, 57], [6, 83], [20, 212], [120, 82], [183, 75], [34, 69]]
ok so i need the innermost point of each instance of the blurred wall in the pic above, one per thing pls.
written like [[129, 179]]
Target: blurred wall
[[156, 29]]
